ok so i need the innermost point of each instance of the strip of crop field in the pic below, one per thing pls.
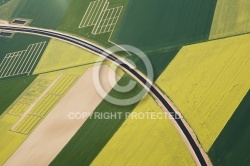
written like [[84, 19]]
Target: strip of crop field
[[232, 145], [11, 89], [207, 82], [231, 17], [143, 140], [150, 25], [95, 133], [60, 55]]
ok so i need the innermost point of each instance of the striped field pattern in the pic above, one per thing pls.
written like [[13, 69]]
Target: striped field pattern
[[27, 124], [21, 62], [99, 16], [42, 108]]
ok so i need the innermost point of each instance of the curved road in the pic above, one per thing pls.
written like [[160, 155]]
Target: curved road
[[142, 79]]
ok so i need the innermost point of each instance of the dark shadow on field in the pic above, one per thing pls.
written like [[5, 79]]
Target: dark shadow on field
[[162, 23], [232, 146]]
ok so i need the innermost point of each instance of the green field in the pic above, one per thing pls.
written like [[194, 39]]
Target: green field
[[4, 2], [150, 25], [7, 9], [95, 133], [43, 13], [232, 146], [145, 141], [19, 42], [231, 17], [11, 89], [159, 61], [74, 15]]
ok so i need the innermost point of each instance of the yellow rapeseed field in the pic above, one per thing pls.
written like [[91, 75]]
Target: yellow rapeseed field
[[9, 141], [231, 17], [207, 82], [60, 55], [145, 141]]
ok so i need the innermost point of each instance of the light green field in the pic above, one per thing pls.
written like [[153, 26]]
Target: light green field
[[60, 55], [9, 141], [231, 17], [145, 141], [207, 82]]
